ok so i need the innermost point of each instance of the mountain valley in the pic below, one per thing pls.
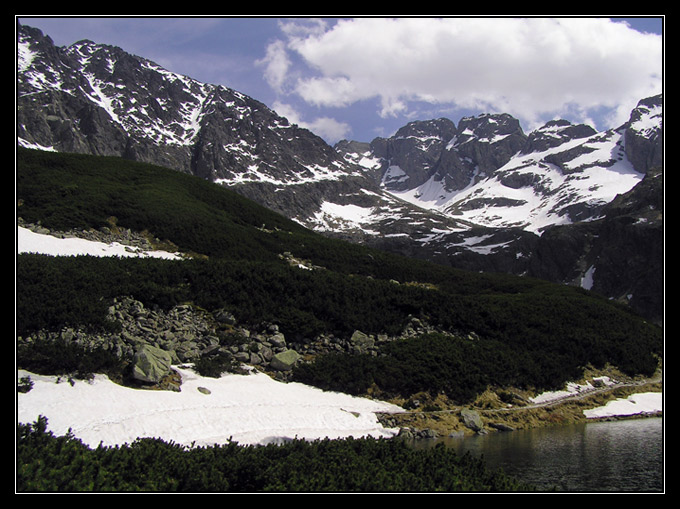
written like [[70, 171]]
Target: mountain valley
[[454, 270]]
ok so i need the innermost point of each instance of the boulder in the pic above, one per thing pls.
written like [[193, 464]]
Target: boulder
[[361, 342], [284, 361], [472, 420], [223, 316], [278, 340], [501, 427], [151, 364]]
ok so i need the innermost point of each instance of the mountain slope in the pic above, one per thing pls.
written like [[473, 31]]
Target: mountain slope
[[489, 173], [92, 98], [478, 195], [620, 255], [512, 191], [501, 329]]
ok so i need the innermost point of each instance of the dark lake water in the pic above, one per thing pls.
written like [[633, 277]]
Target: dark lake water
[[618, 456]]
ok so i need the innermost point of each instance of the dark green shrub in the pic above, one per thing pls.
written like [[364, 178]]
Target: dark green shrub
[[46, 463], [61, 357], [216, 364]]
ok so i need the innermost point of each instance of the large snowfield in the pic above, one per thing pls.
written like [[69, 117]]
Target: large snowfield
[[248, 409]]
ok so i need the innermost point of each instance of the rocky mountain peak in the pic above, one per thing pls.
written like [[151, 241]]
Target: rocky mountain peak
[[441, 128], [98, 99], [488, 126], [555, 133], [411, 156], [644, 134]]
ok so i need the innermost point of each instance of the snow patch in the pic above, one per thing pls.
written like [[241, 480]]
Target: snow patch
[[31, 242], [588, 278], [248, 409], [635, 404]]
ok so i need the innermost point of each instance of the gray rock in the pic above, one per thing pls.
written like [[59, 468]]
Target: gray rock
[[361, 342], [277, 340], [284, 361], [223, 316], [266, 353], [472, 420], [242, 357], [501, 427], [428, 434], [151, 364]]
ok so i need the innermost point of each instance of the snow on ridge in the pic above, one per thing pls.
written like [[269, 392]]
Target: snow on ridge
[[649, 121], [593, 178], [25, 56], [48, 79], [256, 172]]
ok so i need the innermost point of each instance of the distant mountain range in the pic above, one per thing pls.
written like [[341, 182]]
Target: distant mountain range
[[564, 203]]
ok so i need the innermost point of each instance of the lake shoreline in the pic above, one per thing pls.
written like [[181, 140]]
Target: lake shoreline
[[493, 417]]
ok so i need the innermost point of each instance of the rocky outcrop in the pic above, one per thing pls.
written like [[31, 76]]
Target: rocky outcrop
[[411, 156], [360, 342], [437, 149], [554, 133], [644, 135], [153, 340]]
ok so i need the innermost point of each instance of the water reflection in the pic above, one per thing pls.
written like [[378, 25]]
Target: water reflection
[[620, 456]]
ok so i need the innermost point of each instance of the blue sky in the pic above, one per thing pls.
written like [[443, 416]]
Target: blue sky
[[359, 78]]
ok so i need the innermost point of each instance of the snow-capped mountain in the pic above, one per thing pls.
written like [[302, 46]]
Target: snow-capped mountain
[[98, 99], [478, 195], [487, 172]]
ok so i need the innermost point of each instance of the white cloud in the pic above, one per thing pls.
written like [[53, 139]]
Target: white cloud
[[277, 64], [531, 68], [329, 129]]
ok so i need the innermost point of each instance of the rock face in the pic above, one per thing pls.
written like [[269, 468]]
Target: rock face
[[644, 136], [412, 155], [98, 99]]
